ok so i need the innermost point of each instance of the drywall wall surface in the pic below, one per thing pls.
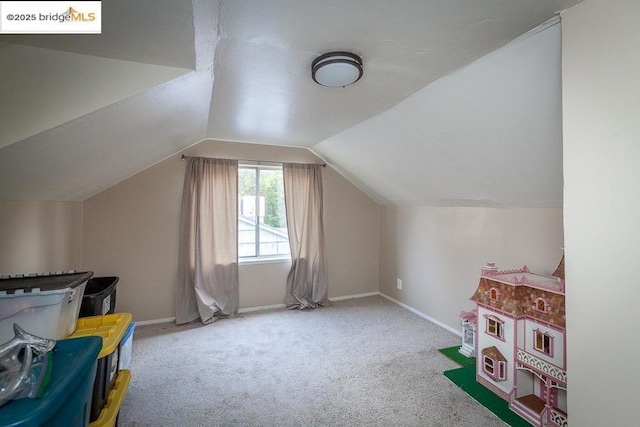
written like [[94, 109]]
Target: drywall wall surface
[[487, 135], [438, 252], [131, 231], [262, 284], [351, 237], [601, 92], [40, 236]]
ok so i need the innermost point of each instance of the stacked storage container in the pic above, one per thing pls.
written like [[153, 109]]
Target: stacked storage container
[[67, 400], [46, 306], [99, 297], [111, 383], [89, 377]]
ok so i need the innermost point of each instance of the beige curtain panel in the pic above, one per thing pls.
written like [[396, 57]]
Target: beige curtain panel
[[208, 253], [307, 282]]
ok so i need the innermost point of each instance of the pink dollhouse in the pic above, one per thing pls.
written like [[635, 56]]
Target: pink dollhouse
[[520, 341]]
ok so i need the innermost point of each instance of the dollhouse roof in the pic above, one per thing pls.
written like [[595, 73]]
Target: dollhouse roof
[[494, 353], [519, 300], [469, 316]]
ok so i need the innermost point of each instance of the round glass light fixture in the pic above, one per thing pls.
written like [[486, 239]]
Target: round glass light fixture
[[337, 69]]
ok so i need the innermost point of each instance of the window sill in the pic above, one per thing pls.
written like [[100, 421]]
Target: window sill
[[252, 261]]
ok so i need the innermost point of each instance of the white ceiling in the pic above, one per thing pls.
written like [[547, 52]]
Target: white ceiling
[[81, 113]]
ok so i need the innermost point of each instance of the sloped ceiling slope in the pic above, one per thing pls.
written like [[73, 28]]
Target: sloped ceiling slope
[[81, 113], [489, 134]]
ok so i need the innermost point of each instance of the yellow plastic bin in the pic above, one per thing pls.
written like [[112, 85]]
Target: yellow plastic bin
[[109, 414], [111, 328]]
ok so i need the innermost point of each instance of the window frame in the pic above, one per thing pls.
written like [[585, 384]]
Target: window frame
[[498, 368], [499, 327], [545, 304], [258, 258], [543, 335]]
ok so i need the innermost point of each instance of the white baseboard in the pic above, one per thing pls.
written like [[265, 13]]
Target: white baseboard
[[153, 322], [277, 306], [370, 294], [421, 314]]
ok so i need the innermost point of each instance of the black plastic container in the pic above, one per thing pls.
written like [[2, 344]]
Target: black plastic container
[[112, 329], [106, 373], [99, 297]]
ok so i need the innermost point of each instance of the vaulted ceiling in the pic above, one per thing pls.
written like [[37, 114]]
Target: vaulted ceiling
[[80, 113]]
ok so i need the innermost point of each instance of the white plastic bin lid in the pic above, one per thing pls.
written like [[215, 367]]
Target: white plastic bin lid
[[43, 283]]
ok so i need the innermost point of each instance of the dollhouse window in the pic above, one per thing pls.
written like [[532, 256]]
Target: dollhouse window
[[495, 327], [541, 305], [488, 365], [494, 294], [543, 342], [495, 369]]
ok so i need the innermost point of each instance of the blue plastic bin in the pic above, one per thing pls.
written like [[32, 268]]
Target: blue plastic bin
[[126, 346], [67, 400]]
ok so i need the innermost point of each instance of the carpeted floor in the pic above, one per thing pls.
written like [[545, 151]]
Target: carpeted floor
[[359, 362]]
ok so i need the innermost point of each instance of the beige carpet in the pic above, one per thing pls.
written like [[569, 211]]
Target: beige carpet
[[359, 362]]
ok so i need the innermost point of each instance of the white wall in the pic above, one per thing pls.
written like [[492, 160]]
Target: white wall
[[131, 231], [489, 134], [39, 237], [439, 252], [473, 165], [601, 89]]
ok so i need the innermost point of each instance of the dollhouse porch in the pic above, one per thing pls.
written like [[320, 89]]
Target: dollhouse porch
[[539, 399]]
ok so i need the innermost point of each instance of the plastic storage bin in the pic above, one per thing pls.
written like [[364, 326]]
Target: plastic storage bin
[[111, 328], [99, 297], [46, 306], [109, 415], [67, 400], [126, 346]]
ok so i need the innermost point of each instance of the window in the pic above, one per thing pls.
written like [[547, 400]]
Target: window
[[488, 365], [541, 305], [494, 294], [495, 369], [262, 223], [495, 327], [543, 342]]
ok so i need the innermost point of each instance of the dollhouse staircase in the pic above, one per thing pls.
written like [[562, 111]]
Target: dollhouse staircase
[[467, 351]]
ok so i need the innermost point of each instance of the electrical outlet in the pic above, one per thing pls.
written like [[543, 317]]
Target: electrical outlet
[[399, 283]]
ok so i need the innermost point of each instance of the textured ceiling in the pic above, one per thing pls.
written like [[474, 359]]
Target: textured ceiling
[[81, 113]]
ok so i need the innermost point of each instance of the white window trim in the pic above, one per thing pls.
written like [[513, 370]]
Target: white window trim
[[537, 332], [496, 364], [264, 260], [499, 322], [545, 302]]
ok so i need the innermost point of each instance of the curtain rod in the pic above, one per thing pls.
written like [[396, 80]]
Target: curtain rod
[[324, 165]]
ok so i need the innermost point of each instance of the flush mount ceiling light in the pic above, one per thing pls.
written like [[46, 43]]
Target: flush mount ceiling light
[[336, 69]]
